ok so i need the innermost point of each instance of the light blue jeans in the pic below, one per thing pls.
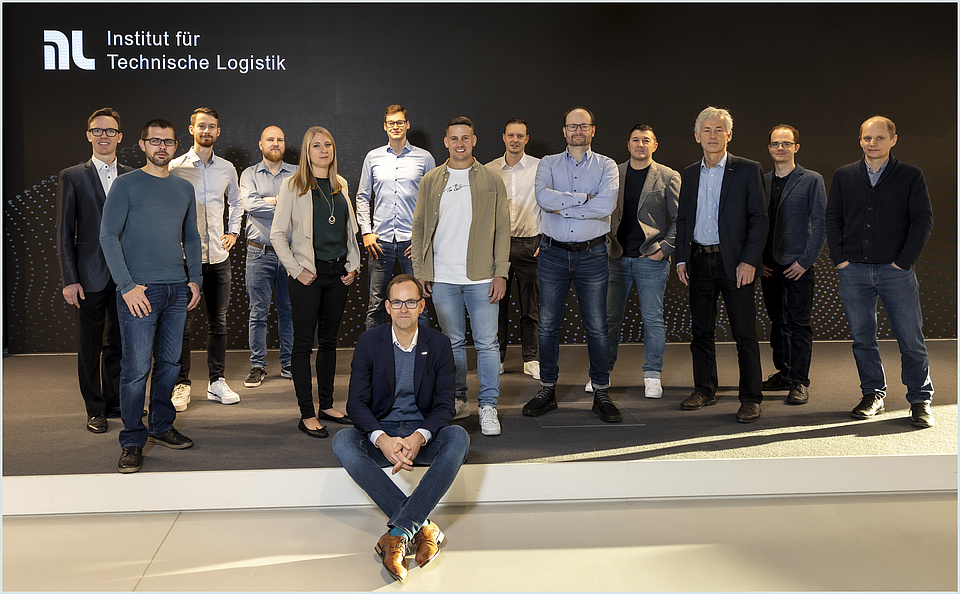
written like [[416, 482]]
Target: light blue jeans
[[650, 276], [266, 275]]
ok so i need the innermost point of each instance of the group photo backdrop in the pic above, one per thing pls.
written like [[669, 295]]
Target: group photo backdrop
[[821, 68]]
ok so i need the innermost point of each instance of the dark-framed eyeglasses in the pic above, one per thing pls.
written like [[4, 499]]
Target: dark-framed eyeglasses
[[410, 303], [774, 145], [395, 124], [159, 141], [98, 132], [575, 127]]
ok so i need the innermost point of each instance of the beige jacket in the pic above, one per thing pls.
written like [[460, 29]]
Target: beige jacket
[[292, 231]]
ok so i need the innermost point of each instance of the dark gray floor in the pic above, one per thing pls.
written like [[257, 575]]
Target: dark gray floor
[[43, 417]]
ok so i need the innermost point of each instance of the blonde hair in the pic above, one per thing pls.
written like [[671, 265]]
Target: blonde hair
[[303, 180]]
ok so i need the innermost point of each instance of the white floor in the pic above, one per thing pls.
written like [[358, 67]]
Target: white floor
[[879, 542]]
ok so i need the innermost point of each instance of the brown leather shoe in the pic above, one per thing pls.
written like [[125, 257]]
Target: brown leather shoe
[[427, 541], [697, 400], [392, 550], [748, 413]]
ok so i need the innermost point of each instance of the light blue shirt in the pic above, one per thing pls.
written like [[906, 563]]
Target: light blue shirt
[[875, 177], [562, 187], [394, 181], [256, 182], [706, 231]]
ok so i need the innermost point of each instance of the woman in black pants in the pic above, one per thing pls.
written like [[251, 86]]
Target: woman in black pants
[[315, 235]]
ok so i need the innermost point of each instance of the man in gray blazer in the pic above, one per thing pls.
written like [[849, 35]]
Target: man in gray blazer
[[642, 237], [796, 201]]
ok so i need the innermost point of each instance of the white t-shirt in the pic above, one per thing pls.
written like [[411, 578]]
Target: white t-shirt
[[453, 231]]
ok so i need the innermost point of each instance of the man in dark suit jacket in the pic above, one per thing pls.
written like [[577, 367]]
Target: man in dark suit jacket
[[721, 230], [402, 402], [81, 191]]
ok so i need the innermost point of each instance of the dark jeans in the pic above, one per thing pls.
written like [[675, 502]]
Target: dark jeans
[[708, 281], [216, 297], [380, 271], [789, 303], [317, 309], [99, 337], [523, 267]]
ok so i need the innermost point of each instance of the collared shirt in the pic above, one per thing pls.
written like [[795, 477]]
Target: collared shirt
[[374, 435], [107, 172], [256, 182], [875, 177], [707, 229], [393, 180], [562, 186], [520, 181], [212, 182]]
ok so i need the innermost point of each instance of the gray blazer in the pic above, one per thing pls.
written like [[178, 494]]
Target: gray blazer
[[658, 200], [799, 230]]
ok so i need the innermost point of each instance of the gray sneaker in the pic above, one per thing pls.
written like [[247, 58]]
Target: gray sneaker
[[255, 377], [463, 409]]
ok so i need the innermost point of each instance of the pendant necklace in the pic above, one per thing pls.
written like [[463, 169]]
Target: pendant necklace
[[329, 202]]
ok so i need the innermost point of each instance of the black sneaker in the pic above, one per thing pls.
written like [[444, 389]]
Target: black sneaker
[[286, 372], [255, 377], [604, 407], [131, 460], [776, 382], [172, 439], [542, 403]]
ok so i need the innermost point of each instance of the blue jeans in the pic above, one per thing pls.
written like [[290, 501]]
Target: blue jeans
[[380, 271], [265, 274], [157, 336], [588, 271], [363, 461], [650, 276], [452, 302], [860, 286]]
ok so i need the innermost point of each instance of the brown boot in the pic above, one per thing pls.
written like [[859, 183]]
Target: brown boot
[[392, 550], [427, 541]]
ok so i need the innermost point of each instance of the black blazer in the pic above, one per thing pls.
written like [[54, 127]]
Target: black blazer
[[373, 379], [80, 200], [743, 215]]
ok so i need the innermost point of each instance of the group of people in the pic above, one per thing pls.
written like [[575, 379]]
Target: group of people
[[137, 246]]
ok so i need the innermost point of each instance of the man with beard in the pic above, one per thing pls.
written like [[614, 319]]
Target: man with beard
[[259, 188], [215, 186], [149, 225]]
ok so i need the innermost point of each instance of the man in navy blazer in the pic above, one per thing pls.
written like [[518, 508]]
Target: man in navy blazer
[[401, 401], [721, 230], [796, 199], [87, 285]]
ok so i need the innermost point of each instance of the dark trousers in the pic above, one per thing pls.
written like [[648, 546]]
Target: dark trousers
[[98, 352], [523, 267], [216, 297], [789, 303], [317, 309], [708, 281]]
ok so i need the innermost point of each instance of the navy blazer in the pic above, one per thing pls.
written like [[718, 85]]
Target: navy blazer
[[80, 201], [742, 214], [373, 379], [799, 231]]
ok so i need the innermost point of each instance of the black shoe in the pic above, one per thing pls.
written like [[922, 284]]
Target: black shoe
[[255, 377], [870, 405], [172, 439], [799, 394], [286, 372], [113, 413], [344, 420], [131, 460], [776, 382], [321, 432], [542, 403], [920, 415], [97, 424], [748, 413], [604, 407]]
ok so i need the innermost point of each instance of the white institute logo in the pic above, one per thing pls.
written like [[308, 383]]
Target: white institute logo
[[57, 51]]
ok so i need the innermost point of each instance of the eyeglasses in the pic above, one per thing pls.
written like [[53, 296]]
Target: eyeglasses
[[575, 127], [781, 144], [410, 303], [159, 141], [395, 124], [111, 132]]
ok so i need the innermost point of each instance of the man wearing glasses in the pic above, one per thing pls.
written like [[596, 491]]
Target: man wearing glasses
[[214, 180], [81, 192], [149, 226], [577, 191], [796, 200], [401, 402], [391, 177]]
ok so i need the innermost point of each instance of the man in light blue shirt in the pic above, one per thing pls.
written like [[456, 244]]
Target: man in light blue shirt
[[259, 188], [577, 191], [391, 176]]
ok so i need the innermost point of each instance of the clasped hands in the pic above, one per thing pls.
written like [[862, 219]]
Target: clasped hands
[[401, 451]]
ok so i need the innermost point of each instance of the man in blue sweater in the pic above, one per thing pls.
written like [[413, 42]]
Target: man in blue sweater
[[149, 224]]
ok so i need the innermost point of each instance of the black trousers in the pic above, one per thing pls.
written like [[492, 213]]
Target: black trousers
[[708, 281], [789, 303], [317, 309], [98, 351], [216, 298], [523, 268]]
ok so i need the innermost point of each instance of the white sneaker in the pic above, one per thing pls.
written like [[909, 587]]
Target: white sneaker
[[221, 392], [489, 423], [463, 409], [589, 386], [532, 368], [180, 397], [501, 369], [652, 387]]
